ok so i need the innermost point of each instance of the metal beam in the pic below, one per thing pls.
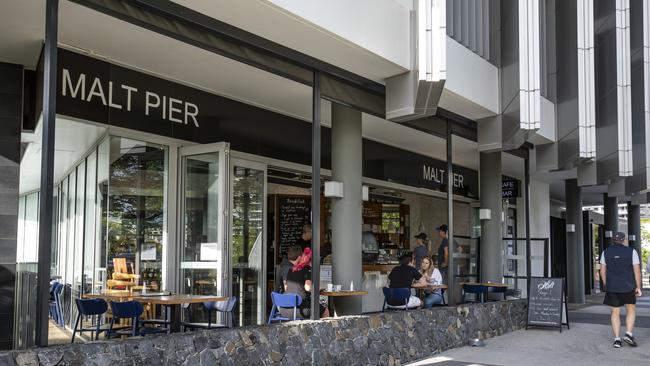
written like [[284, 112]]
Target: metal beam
[[527, 204], [450, 219], [47, 172], [315, 196]]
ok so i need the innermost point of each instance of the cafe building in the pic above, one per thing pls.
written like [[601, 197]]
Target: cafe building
[[201, 194], [183, 146]]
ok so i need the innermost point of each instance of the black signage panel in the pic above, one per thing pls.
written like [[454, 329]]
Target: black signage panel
[[546, 302], [400, 166], [509, 188], [98, 91]]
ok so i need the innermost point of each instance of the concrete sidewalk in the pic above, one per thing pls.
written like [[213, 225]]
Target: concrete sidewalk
[[588, 342]]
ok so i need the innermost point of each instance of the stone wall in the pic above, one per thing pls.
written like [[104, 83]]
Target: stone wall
[[391, 338]]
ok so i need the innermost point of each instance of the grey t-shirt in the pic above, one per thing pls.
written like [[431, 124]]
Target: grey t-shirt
[[420, 252]]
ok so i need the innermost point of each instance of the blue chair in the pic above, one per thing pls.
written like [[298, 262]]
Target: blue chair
[[130, 310], [56, 312], [89, 307], [287, 300], [478, 290], [227, 307], [396, 298]]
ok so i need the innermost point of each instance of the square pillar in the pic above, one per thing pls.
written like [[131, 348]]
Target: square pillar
[[347, 212], [575, 242], [491, 236], [11, 113]]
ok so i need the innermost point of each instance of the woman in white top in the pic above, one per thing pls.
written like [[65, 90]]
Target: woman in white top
[[433, 277]]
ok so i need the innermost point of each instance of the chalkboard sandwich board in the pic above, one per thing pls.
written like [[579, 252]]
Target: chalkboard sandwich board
[[547, 302]]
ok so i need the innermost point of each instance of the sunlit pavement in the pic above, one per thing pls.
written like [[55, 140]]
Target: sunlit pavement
[[588, 342]]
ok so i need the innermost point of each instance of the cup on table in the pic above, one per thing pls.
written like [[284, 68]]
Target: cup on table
[[337, 288], [330, 287]]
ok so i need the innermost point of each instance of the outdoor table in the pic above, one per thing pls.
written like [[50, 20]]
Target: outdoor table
[[420, 289], [173, 304], [110, 295], [487, 285], [342, 293]]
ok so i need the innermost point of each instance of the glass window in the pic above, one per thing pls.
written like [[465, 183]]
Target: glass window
[[135, 213], [63, 229], [72, 189], [21, 230], [54, 250], [79, 228], [30, 253], [248, 242], [90, 220], [101, 212], [201, 220]]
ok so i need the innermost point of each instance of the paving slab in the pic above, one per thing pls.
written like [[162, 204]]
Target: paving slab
[[588, 342]]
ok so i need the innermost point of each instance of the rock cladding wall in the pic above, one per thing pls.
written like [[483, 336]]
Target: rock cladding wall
[[391, 338]]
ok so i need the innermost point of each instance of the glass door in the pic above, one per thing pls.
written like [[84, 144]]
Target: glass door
[[248, 240], [202, 223]]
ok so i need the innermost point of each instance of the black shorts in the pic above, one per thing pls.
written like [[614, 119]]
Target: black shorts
[[616, 299]]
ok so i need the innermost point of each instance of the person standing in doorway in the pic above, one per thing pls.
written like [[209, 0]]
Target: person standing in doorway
[[620, 271], [305, 239], [443, 253], [421, 250]]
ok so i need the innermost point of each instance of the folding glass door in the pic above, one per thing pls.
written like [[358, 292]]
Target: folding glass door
[[248, 239], [202, 220]]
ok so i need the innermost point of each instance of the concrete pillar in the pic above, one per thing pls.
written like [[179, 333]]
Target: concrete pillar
[[11, 115], [634, 226], [491, 235], [611, 218], [347, 211], [575, 243]]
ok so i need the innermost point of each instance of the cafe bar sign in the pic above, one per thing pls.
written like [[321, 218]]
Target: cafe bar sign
[[509, 188]]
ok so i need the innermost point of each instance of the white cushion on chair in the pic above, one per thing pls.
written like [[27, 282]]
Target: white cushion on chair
[[413, 303]]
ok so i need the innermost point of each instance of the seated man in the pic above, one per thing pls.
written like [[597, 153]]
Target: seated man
[[404, 276]]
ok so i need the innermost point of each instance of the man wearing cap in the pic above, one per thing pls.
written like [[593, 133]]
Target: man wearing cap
[[421, 249], [443, 252], [620, 271]]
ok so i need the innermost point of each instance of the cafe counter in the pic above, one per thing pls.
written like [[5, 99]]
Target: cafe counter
[[375, 278]]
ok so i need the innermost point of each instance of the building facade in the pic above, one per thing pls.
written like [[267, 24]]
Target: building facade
[[182, 140]]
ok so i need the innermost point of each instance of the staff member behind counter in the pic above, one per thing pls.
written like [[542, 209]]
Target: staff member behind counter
[[443, 252], [305, 242], [305, 238]]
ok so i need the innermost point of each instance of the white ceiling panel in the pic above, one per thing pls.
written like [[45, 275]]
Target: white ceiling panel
[[72, 141]]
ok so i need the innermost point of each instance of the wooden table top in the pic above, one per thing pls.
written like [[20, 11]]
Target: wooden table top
[[177, 299], [432, 287], [153, 297], [109, 295], [343, 293], [486, 284]]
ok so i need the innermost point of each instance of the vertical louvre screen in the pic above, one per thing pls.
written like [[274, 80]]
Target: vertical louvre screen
[[468, 23]]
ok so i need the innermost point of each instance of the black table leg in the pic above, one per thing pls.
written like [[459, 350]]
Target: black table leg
[[174, 318]]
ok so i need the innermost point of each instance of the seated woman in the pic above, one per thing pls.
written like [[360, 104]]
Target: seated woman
[[433, 277], [298, 281]]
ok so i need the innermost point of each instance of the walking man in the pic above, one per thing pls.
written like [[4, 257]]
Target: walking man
[[620, 271]]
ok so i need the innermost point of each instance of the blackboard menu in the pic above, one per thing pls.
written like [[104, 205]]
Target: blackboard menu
[[293, 212], [545, 301]]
